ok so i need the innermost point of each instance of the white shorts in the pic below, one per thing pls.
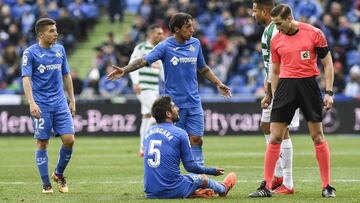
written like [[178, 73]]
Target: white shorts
[[147, 99], [265, 117]]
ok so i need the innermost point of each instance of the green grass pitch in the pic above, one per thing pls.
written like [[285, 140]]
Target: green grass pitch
[[107, 169]]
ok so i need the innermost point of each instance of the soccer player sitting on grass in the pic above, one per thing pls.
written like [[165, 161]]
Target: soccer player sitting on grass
[[164, 146]]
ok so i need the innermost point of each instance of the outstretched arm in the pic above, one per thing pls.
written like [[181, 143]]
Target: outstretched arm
[[119, 72], [193, 167], [209, 74]]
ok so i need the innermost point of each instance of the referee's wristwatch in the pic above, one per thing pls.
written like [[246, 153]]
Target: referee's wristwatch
[[329, 92]]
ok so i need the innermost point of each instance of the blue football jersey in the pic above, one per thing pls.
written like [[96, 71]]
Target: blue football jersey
[[181, 62], [46, 66], [164, 146]]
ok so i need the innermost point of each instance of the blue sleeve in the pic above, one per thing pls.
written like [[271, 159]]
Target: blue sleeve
[[65, 66], [26, 64], [193, 167], [188, 160], [157, 53], [185, 151], [200, 59]]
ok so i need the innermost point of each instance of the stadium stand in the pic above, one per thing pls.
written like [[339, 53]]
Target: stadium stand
[[229, 36]]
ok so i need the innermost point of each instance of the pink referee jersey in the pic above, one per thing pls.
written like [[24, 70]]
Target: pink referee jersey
[[296, 53]]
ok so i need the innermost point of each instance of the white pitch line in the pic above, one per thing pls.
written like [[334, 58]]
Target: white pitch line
[[141, 182]]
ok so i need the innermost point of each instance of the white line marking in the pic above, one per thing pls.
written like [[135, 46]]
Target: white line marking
[[141, 182]]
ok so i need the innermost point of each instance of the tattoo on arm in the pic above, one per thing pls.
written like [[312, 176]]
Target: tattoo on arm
[[203, 71], [136, 64], [208, 74]]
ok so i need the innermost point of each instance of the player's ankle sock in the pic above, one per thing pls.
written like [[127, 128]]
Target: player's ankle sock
[[286, 162], [271, 156], [216, 186], [278, 170], [64, 158], [198, 154], [267, 138], [323, 159], [41, 158]]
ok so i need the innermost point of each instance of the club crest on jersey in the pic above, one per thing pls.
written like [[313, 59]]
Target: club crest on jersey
[[191, 48], [305, 55], [41, 68], [58, 54], [174, 60]]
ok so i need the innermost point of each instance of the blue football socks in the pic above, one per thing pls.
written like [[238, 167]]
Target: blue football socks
[[198, 154], [64, 158], [216, 186], [41, 157]]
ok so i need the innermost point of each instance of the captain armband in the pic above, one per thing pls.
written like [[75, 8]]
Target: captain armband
[[322, 51]]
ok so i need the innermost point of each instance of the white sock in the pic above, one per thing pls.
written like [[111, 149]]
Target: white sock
[[286, 162], [267, 138], [143, 128], [278, 170]]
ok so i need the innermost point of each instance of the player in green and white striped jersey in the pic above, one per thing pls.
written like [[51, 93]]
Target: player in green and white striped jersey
[[283, 181], [146, 80]]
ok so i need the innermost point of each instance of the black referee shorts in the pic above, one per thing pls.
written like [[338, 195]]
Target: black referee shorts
[[293, 93]]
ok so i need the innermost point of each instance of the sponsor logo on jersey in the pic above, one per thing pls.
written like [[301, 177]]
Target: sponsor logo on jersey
[[43, 68], [174, 60], [305, 55]]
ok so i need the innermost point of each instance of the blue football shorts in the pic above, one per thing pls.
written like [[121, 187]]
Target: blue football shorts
[[192, 120], [58, 122]]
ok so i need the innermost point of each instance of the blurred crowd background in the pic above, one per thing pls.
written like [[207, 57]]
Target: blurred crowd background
[[229, 36]]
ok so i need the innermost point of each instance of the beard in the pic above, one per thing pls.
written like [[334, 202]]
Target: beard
[[176, 119]]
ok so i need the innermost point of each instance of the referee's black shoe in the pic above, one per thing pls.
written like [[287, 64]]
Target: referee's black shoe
[[328, 191], [262, 191]]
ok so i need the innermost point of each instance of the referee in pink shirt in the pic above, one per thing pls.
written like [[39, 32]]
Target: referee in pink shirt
[[294, 52]]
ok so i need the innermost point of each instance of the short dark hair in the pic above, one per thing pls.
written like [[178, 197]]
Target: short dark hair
[[152, 27], [282, 10], [42, 23], [178, 20], [160, 107], [265, 3]]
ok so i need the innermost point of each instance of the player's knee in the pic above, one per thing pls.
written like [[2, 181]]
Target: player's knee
[[148, 115], [265, 127], [286, 134], [275, 139], [42, 144], [196, 140], [317, 137], [68, 141]]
